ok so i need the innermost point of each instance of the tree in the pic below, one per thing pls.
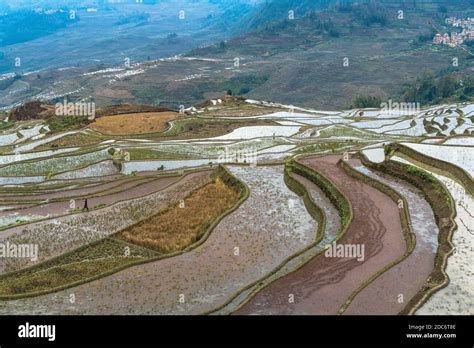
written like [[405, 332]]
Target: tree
[[244, 90], [422, 90], [468, 86], [442, 9], [446, 86], [367, 102], [229, 92], [334, 33]]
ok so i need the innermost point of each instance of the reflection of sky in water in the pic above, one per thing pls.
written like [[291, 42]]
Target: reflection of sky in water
[[16, 180], [333, 221], [297, 210], [140, 166], [458, 296], [291, 220], [461, 156]]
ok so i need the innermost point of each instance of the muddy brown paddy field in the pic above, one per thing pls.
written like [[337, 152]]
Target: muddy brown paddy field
[[62, 234], [125, 191], [82, 190], [244, 248], [400, 283], [331, 228], [324, 284]]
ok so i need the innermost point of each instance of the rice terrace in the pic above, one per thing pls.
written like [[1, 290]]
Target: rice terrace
[[282, 210], [236, 158]]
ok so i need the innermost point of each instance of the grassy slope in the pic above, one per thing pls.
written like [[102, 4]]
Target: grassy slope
[[294, 62], [296, 58]]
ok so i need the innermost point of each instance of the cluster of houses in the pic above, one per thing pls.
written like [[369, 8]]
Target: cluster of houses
[[456, 38]]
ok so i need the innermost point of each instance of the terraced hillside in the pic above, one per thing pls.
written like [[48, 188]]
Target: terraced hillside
[[238, 206]]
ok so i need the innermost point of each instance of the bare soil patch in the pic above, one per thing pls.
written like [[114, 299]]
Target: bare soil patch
[[32, 111], [115, 93]]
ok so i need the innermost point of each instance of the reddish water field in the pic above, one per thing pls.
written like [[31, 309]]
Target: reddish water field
[[128, 190], [324, 284], [390, 292]]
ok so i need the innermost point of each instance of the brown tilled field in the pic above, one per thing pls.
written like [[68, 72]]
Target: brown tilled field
[[182, 225], [137, 123]]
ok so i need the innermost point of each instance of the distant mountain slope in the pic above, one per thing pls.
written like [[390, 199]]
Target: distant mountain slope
[[303, 60], [273, 10], [278, 9], [322, 59], [46, 35]]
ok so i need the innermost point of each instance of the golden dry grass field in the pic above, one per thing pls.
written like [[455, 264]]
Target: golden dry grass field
[[182, 225], [136, 123]]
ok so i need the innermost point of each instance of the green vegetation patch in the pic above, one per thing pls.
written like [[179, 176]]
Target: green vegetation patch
[[53, 165], [72, 140], [6, 125], [344, 131], [322, 147], [335, 196], [146, 154], [85, 263], [65, 123], [429, 89]]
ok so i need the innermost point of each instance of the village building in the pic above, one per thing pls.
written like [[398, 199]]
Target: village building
[[456, 38]]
